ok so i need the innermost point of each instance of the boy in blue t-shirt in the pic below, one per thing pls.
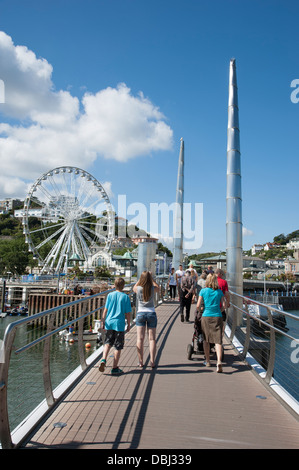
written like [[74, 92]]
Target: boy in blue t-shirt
[[117, 309]]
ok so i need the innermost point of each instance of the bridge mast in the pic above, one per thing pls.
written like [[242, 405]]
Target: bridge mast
[[178, 236], [234, 248]]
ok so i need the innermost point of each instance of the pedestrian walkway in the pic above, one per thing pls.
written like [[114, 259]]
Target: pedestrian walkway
[[181, 404]]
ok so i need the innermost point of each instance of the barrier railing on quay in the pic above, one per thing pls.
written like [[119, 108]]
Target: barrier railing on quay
[[23, 401], [268, 337]]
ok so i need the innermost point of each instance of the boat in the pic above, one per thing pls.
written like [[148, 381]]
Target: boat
[[93, 334], [17, 311], [261, 312]]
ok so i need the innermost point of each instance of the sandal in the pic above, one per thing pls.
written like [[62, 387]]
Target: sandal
[[219, 367]]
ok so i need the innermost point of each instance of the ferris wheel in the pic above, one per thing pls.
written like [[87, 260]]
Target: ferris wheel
[[67, 218]]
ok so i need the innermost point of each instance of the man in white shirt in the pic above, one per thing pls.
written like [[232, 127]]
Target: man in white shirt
[[179, 274]]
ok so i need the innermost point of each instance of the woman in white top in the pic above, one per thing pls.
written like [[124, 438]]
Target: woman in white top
[[146, 316], [172, 283]]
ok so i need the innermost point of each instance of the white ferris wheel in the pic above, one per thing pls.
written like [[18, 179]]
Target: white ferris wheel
[[67, 218]]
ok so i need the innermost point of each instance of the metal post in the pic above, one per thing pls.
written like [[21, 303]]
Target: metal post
[[234, 250], [46, 364], [80, 338], [271, 360], [5, 436], [178, 236], [3, 296], [146, 257]]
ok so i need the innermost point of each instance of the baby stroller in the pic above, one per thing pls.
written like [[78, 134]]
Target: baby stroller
[[196, 347]]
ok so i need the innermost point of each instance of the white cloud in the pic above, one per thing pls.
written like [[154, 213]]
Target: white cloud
[[46, 128], [122, 126], [247, 232], [13, 187], [107, 185]]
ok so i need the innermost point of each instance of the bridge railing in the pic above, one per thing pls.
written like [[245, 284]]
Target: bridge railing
[[25, 401], [270, 336]]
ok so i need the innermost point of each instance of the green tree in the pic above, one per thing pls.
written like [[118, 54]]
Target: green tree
[[101, 272], [280, 239], [14, 255]]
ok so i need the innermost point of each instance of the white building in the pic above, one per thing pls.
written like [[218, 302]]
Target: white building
[[19, 213], [270, 246], [256, 248], [292, 264], [293, 244]]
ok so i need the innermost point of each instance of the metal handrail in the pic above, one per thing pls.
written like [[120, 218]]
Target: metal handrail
[[10, 333], [5, 434], [234, 315]]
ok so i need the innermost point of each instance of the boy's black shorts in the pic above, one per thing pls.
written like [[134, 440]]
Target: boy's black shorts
[[115, 338]]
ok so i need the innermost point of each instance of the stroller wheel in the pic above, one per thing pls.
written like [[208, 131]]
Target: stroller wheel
[[189, 351]]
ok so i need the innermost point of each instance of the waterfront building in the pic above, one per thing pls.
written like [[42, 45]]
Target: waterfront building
[[293, 244], [292, 264]]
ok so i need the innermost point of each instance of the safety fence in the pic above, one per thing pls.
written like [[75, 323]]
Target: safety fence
[[39, 364], [269, 337]]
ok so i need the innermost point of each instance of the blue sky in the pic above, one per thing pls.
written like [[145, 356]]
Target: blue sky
[[148, 73]]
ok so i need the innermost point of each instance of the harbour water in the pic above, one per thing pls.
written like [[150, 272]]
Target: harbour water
[[25, 381], [286, 368], [25, 384]]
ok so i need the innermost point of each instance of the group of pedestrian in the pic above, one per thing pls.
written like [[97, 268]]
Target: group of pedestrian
[[117, 311], [186, 283], [213, 299]]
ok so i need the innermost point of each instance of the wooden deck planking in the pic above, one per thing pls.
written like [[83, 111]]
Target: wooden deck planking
[[179, 405]]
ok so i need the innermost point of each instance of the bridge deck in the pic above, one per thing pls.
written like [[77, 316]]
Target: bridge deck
[[179, 405]]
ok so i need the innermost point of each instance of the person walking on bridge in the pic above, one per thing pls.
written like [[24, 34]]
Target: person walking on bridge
[[187, 291], [172, 283], [224, 287], [117, 309], [179, 274], [211, 321], [145, 289]]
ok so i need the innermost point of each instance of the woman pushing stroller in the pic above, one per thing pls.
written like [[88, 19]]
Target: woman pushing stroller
[[211, 320]]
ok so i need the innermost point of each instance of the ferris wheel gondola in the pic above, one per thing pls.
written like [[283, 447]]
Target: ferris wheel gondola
[[67, 217]]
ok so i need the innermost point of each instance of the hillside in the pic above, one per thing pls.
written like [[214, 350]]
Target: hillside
[[14, 255]]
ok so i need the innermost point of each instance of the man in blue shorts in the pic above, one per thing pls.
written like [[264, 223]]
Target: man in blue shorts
[[117, 309]]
